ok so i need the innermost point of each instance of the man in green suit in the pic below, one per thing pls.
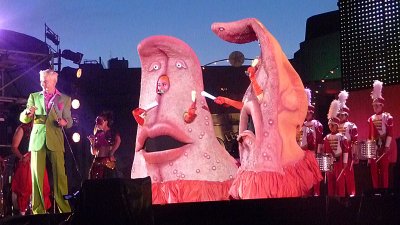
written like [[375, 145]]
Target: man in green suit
[[50, 111]]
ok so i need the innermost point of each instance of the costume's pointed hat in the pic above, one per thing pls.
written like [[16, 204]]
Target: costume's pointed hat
[[376, 93], [311, 108], [333, 112], [343, 96]]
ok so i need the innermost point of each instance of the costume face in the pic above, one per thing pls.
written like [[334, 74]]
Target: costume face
[[275, 113], [168, 147], [333, 127], [48, 83], [273, 141], [310, 116], [162, 84], [101, 123], [343, 117], [378, 107]]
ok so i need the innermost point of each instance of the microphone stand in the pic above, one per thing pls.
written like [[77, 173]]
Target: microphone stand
[[73, 157]]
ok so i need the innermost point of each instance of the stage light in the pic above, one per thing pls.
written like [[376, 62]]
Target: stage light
[[76, 137], [369, 42], [75, 57], [53, 37], [79, 73], [75, 104]]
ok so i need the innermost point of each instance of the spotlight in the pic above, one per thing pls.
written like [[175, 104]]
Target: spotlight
[[75, 104], [76, 137], [53, 37], [75, 57], [79, 73]]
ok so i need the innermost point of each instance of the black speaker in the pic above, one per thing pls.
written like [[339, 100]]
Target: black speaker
[[115, 201]]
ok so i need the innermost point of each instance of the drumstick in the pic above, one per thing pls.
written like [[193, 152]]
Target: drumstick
[[207, 95], [380, 157], [351, 164], [340, 174], [150, 106]]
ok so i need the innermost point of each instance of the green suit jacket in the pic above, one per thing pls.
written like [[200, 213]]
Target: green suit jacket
[[47, 131]]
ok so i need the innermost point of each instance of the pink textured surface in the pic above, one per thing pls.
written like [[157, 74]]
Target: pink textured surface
[[202, 160], [272, 150]]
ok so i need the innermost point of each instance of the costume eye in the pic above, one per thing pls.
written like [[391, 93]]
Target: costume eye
[[180, 64], [155, 66], [221, 29]]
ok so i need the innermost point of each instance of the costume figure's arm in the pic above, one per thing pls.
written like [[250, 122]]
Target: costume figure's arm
[[354, 134], [66, 113], [372, 131], [116, 145], [26, 116], [227, 101], [389, 131], [311, 142], [344, 144], [326, 147], [16, 141], [319, 136], [251, 71], [92, 139], [354, 140]]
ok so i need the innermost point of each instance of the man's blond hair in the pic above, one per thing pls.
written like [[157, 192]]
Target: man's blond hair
[[50, 73]]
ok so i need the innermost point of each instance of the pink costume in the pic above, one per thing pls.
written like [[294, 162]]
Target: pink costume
[[175, 144], [272, 163]]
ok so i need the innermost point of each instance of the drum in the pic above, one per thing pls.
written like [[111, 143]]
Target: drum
[[368, 149], [325, 162]]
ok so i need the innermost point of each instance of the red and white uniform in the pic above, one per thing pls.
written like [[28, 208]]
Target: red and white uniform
[[310, 138], [311, 135], [337, 145], [349, 130], [381, 130]]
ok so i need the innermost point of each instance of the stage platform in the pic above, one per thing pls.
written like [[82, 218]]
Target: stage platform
[[379, 208]]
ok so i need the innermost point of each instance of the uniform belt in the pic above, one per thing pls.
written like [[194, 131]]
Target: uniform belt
[[40, 119]]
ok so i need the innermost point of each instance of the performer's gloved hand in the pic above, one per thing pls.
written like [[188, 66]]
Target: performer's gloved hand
[[387, 149], [62, 122], [221, 101], [251, 72], [31, 111], [91, 139], [139, 115], [344, 165], [190, 115], [25, 158]]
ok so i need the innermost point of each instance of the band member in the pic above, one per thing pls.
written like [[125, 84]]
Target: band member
[[336, 144], [380, 130], [21, 184], [349, 130], [104, 143], [50, 111], [310, 135]]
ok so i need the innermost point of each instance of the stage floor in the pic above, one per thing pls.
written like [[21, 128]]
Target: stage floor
[[365, 210]]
